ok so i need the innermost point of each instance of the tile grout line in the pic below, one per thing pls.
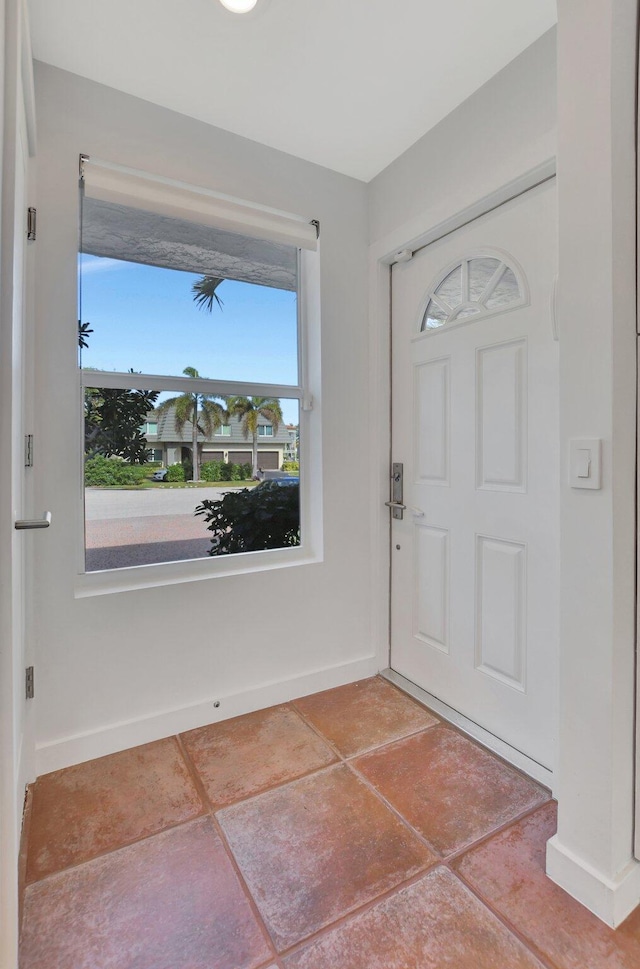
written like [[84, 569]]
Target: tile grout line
[[210, 812], [467, 736], [134, 841], [315, 729], [205, 810], [528, 943], [276, 784], [367, 750], [121, 847], [325, 930], [472, 845], [446, 858], [407, 824]]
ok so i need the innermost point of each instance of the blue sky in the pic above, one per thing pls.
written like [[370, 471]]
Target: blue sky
[[144, 318]]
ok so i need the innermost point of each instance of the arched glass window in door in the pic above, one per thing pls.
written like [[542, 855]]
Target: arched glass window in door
[[478, 286]]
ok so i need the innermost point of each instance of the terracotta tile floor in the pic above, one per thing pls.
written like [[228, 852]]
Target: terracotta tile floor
[[348, 830]]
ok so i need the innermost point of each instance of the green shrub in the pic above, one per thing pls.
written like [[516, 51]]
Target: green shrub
[[176, 472], [290, 465], [223, 471], [211, 470], [108, 472], [253, 519]]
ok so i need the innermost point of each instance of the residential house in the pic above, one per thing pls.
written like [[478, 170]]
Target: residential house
[[465, 165], [292, 447], [228, 443]]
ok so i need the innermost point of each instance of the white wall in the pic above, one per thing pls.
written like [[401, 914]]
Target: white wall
[[111, 669], [505, 128], [592, 854]]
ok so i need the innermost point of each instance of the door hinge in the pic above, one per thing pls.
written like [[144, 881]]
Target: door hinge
[[31, 224], [28, 450], [29, 683]]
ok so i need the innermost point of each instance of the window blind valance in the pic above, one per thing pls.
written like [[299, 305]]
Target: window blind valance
[[106, 182]]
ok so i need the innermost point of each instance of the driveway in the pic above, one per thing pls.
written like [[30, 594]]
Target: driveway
[[127, 528], [101, 504]]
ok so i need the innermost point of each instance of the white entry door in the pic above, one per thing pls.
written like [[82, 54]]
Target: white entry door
[[475, 559]]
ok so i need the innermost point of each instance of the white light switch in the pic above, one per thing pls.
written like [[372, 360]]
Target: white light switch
[[585, 463]]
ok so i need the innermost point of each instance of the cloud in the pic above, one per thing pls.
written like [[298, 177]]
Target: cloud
[[97, 264]]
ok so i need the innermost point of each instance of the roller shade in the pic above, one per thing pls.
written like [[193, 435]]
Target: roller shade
[[108, 183]]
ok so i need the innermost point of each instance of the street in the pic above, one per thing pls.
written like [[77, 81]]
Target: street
[[127, 528]]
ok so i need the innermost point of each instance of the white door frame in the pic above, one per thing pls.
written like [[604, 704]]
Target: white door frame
[[17, 754], [382, 256]]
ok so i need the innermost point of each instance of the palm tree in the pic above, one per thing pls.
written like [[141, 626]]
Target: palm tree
[[250, 410], [204, 292], [204, 413]]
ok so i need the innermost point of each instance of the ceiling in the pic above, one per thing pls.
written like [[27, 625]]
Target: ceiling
[[348, 84]]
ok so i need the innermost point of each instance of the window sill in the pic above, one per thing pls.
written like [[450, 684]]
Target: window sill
[[194, 570]]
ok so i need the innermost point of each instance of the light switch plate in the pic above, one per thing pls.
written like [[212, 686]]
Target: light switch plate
[[585, 463]]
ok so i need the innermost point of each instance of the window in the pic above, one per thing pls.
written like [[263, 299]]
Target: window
[[195, 333], [477, 287]]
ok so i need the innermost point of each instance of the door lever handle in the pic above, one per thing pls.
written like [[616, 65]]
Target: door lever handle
[[43, 522], [395, 504]]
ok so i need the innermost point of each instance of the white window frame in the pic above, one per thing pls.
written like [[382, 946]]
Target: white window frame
[[223, 431], [308, 394], [266, 429]]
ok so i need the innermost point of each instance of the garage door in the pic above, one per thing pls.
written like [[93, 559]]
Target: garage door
[[268, 460], [240, 457], [212, 456]]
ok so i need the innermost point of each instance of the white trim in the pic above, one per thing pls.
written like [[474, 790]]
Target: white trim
[[612, 900], [531, 767], [408, 236], [379, 449], [100, 583], [108, 379], [131, 733]]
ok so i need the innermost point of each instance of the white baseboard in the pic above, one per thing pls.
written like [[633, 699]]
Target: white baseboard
[[56, 754], [612, 900]]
